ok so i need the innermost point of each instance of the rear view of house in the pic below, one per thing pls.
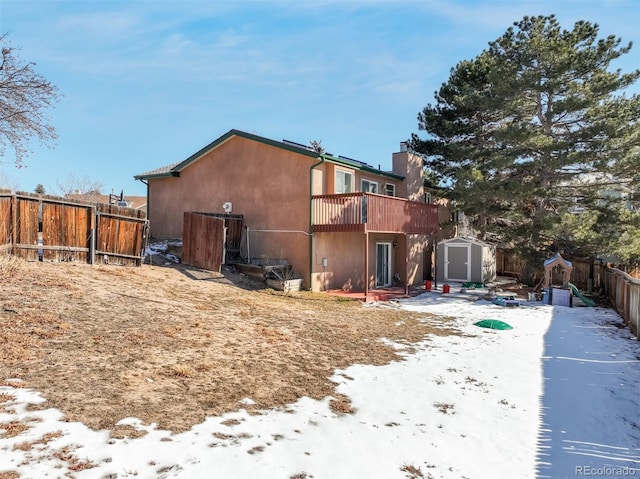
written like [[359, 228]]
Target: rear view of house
[[340, 222]]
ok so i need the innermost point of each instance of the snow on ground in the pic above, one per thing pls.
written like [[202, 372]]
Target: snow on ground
[[556, 396]]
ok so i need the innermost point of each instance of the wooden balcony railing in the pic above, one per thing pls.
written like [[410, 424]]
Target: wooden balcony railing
[[372, 212]]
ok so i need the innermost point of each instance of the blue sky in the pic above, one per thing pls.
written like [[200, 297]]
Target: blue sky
[[146, 83]]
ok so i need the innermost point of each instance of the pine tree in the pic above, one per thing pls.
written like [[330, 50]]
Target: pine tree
[[534, 126]]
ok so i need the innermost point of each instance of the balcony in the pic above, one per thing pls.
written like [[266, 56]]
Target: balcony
[[368, 212]]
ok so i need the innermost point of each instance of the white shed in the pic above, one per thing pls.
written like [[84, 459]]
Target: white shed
[[465, 260]]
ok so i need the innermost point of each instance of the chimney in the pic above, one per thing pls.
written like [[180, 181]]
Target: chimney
[[409, 165]]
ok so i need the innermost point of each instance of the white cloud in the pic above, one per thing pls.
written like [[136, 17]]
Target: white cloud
[[112, 25]]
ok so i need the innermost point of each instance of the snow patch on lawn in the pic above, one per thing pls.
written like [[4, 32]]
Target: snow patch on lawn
[[557, 392]]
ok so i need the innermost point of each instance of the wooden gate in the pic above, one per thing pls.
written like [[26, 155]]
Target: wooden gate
[[120, 238], [203, 241], [233, 237], [210, 240]]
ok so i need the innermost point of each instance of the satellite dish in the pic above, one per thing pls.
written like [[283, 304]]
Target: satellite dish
[[227, 207]]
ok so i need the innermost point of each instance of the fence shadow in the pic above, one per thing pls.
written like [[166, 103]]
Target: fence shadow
[[589, 404], [228, 275]]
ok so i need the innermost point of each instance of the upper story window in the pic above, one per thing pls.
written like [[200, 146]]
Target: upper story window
[[344, 181], [428, 198], [390, 189], [369, 186]]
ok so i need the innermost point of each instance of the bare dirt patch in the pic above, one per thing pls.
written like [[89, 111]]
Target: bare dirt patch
[[169, 346]]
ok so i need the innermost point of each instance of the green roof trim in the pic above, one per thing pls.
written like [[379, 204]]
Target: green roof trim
[[360, 166], [175, 168]]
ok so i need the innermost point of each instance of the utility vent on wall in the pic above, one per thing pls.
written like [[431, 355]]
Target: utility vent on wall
[[227, 207]]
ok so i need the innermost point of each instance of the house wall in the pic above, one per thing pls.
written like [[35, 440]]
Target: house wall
[[345, 257], [329, 170], [269, 186], [409, 165], [419, 258]]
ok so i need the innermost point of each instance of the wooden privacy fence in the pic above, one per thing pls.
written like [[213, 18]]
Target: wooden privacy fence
[[619, 287], [624, 293], [508, 264], [55, 229], [209, 238], [585, 275]]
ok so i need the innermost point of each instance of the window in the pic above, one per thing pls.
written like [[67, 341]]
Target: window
[[344, 180], [369, 186], [390, 189]]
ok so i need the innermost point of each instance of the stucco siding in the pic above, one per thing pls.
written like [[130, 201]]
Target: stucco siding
[[418, 256], [267, 185], [345, 259], [344, 253]]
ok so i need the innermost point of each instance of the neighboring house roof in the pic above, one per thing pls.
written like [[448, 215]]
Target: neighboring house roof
[[175, 168], [136, 202]]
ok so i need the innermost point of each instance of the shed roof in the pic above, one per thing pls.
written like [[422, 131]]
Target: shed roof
[[464, 239], [174, 169]]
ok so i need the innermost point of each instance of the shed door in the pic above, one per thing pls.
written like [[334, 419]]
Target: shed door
[[457, 262]]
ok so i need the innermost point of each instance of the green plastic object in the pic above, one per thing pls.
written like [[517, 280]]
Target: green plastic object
[[585, 300], [493, 324], [471, 284]]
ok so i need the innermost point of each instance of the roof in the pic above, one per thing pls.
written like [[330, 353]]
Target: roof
[[557, 260], [174, 169], [464, 239], [137, 202], [158, 172]]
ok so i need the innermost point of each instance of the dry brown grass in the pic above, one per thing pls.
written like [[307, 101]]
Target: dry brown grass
[[106, 342], [412, 472], [126, 431], [12, 429], [45, 439], [341, 404], [9, 266], [445, 408], [9, 475], [66, 454]]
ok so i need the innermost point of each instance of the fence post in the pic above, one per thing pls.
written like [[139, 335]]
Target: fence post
[[14, 225], [92, 234], [145, 242]]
